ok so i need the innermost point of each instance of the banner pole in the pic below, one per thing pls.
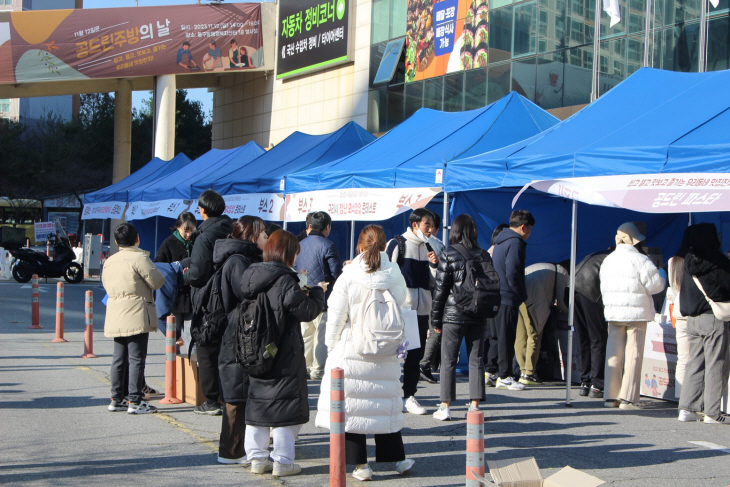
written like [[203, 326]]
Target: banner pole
[[571, 309], [157, 222], [703, 36]]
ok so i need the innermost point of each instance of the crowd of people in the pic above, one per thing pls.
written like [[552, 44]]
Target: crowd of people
[[327, 313]]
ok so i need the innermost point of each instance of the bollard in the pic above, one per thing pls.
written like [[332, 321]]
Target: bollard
[[35, 313], [89, 329], [170, 337], [59, 314], [48, 248], [474, 447], [337, 428]]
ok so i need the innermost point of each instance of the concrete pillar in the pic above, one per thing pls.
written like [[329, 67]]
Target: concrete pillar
[[165, 117], [122, 141]]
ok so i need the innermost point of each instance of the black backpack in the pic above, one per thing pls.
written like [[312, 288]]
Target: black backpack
[[256, 339], [208, 304], [400, 242], [479, 295]]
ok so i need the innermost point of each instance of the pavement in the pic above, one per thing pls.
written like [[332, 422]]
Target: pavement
[[56, 429]]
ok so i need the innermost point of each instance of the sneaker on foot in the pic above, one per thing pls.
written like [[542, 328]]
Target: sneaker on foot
[[428, 376], [631, 405], [115, 405], [721, 419], [285, 469], [443, 413], [363, 472], [470, 408], [585, 388], [211, 409], [490, 380], [687, 416], [510, 383], [404, 466], [413, 407], [529, 380], [316, 375], [261, 465], [234, 461], [595, 393], [141, 408], [148, 390], [611, 403]]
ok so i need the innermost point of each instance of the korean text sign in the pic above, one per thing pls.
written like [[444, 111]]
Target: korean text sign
[[77, 44], [312, 34]]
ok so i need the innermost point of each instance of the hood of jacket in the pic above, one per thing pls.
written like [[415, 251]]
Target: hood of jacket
[[383, 278], [505, 235], [232, 246], [217, 226], [261, 276]]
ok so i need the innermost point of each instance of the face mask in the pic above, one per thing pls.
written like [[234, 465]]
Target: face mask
[[420, 235]]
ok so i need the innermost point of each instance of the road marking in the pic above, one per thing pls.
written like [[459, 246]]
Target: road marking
[[711, 446], [28, 286]]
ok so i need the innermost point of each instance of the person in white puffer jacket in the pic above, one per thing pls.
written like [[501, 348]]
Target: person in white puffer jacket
[[373, 395], [628, 281]]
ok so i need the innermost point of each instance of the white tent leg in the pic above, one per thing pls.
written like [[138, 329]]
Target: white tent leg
[[571, 309], [352, 239], [445, 219], [284, 223]]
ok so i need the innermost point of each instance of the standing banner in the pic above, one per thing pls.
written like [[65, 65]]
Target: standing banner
[[267, 206], [43, 230], [103, 210], [76, 44], [358, 204]]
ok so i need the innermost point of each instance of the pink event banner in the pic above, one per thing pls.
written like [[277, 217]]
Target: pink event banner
[[77, 44]]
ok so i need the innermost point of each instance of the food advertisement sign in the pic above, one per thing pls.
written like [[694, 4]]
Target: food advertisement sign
[[78, 44], [313, 34], [446, 36]]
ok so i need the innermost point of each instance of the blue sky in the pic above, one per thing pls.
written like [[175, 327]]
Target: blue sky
[[200, 94]]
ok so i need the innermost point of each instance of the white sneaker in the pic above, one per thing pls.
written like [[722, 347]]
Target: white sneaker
[[404, 466], [442, 414], [234, 461], [413, 407], [510, 383], [285, 469], [490, 380], [722, 419], [141, 408], [686, 416], [260, 466], [363, 472]]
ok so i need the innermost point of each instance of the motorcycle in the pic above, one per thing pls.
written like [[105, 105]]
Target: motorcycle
[[29, 262]]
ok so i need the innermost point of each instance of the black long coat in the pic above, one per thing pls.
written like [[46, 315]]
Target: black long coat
[[279, 397]]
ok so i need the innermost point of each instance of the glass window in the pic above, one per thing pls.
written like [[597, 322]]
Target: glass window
[[500, 34], [718, 49], [635, 54], [549, 90], [4, 105], [681, 48], [396, 106], [498, 82], [678, 11], [399, 18], [433, 96], [414, 97], [577, 76], [389, 61], [376, 55], [551, 26], [619, 28], [637, 15], [454, 92], [613, 64], [523, 78], [380, 23], [525, 29], [475, 88], [377, 113]]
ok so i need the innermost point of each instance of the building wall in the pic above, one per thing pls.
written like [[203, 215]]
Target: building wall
[[255, 106]]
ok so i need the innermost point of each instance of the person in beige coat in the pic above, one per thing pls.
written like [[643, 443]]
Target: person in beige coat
[[129, 279]]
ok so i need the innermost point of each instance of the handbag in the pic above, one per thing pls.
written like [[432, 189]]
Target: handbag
[[720, 310]]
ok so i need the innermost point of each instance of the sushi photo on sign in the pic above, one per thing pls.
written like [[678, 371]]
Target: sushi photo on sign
[[475, 36]]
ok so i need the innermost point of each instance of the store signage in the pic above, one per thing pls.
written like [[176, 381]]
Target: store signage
[[358, 204], [313, 34], [446, 37], [43, 230], [267, 206], [103, 210], [77, 44]]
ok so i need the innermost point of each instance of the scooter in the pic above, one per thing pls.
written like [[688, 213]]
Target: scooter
[[30, 262]]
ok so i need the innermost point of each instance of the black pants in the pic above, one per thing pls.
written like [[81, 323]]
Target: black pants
[[388, 448], [127, 372], [505, 325], [432, 351], [591, 330], [208, 370], [490, 349], [233, 431], [411, 370], [452, 337]]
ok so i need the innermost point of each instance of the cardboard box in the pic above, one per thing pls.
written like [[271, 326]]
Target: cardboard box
[[186, 381], [524, 472]]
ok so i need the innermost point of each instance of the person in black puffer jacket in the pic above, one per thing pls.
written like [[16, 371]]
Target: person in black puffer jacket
[[706, 370], [242, 248], [452, 323], [278, 398]]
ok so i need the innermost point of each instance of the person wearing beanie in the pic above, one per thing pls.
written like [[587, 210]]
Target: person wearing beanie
[[628, 281]]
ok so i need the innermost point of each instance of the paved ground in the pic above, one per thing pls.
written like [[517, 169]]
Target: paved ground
[[56, 429]]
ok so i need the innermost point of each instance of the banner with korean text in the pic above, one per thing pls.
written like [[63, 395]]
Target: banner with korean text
[[103, 210], [358, 204], [267, 206], [77, 44], [43, 230], [141, 210], [649, 193]]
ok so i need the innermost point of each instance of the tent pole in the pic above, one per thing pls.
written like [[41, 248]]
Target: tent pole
[[445, 219], [101, 253], [571, 309], [352, 239], [690, 219], [596, 52], [284, 223], [703, 37], [647, 29]]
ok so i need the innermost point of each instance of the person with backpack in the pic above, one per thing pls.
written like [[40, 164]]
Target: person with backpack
[[509, 262], [277, 397], [465, 296], [417, 261], [364, 334], [320, 260], [233, 255], [200, 268]]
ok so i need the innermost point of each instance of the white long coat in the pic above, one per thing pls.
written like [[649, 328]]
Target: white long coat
[[373, 394], [628, 281]]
